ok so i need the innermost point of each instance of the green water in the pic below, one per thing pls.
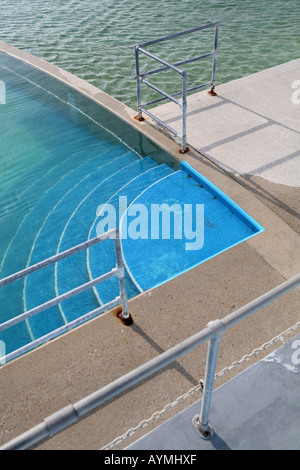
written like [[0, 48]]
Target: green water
[[94, 38]]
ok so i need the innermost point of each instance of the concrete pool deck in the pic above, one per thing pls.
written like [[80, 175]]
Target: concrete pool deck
[[91, 356], [251, 129]]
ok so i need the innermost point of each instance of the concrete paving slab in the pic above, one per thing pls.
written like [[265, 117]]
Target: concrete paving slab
[[251, 127], [91, 356], [257, 410]]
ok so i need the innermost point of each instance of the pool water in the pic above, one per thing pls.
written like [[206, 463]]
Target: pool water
[[62, 157], [94, 39]]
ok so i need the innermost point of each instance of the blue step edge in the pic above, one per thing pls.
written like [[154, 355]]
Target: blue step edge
[[233, 206], [252, 226]]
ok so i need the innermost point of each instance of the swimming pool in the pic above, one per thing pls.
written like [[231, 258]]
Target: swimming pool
[[65, 161]]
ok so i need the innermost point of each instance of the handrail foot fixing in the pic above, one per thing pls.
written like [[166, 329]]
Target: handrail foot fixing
[[205, 430], [212, 91]]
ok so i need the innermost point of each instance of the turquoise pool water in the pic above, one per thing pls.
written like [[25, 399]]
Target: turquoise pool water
[[94, 39], [62, 157]]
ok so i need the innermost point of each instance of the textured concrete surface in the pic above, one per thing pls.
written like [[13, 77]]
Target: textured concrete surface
[[282, 199], [252, 130], [257, 410], [91, 356], [252, 126], [69, 368]]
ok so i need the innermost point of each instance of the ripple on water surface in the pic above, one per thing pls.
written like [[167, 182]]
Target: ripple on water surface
[[95, 40]]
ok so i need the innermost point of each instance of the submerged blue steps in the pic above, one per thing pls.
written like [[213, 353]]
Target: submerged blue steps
[[41, 286], [73, 271], [206, 222], [34, 238], [59, 151], [77, 208], [65, 162], [104, 253], [81, 212], [47, 192]]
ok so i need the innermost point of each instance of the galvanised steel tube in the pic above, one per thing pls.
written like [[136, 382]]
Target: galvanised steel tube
[[85, 405], [212, 357], [177, 35], [179, 93], [54, 259], [28, 439], [154, 87], [67, 295], [215, 55], [198, 87], [138, 84], [201, 421], [118, 271], [163, 124], [141, 77], [219, 326], [121, 277], [164, 62], [184, 109], [187, 61], [61, 330], [72, 413]]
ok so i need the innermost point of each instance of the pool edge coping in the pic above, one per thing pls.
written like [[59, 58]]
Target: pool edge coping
[[108, 102]]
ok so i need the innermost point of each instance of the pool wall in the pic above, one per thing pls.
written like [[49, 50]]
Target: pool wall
[[238, 211], [82, 96]]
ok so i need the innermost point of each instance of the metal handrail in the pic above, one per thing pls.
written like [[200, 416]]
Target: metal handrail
[[213, 332], [140, 78], [118, 271]]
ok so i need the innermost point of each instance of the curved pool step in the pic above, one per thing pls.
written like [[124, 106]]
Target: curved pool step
[[59, 179], [104, 254], [19, 254], [73, 271], [12, 306], [40, 286], [44, 149], [29, 191]]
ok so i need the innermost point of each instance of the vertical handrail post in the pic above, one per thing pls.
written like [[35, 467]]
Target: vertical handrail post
[[138, 83], [140, 78], [184, 109], [201, 422], [215, 51], [125, 316]]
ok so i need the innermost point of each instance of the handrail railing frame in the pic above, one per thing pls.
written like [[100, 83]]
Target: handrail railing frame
[[118, 271], [140, 78], [213, 332]]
